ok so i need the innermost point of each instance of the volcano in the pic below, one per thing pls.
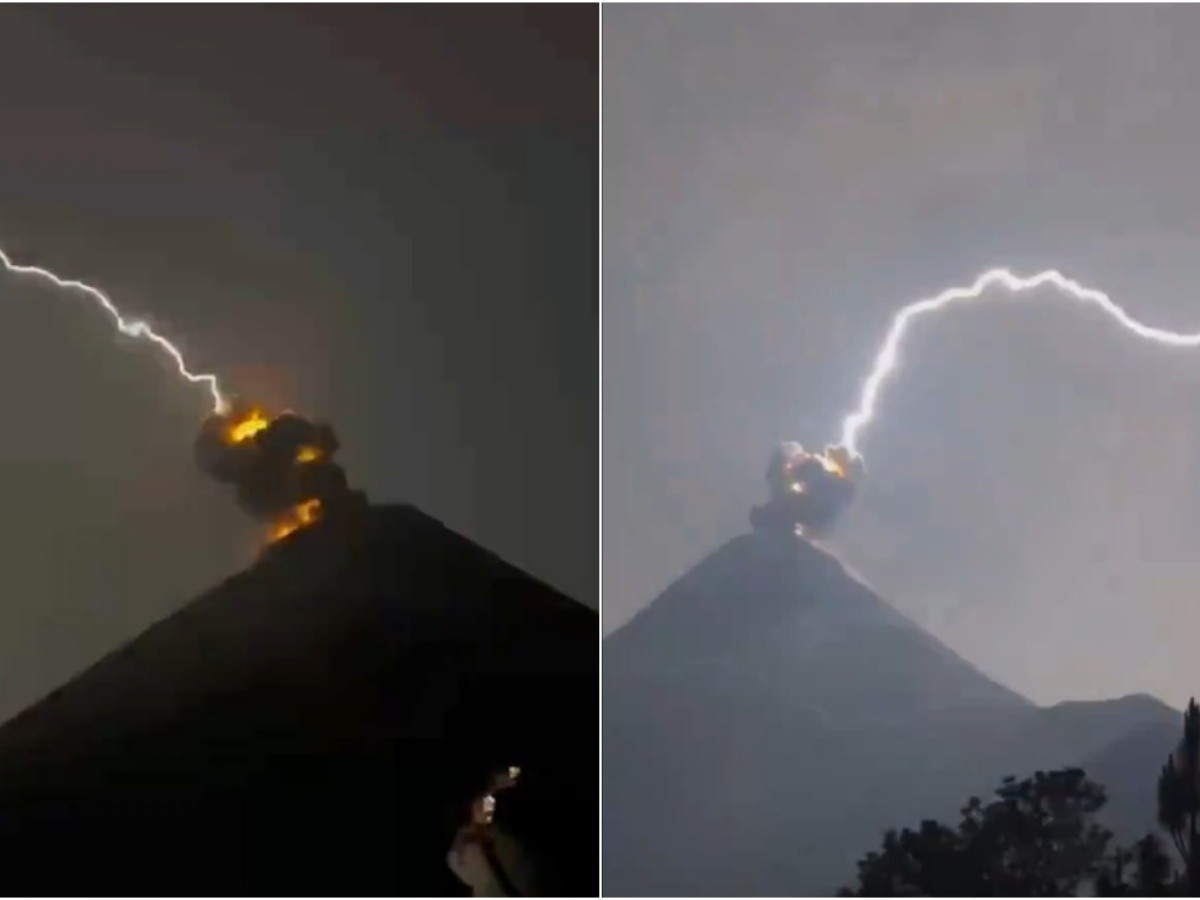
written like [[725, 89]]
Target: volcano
[[320, 723], [769, 716]]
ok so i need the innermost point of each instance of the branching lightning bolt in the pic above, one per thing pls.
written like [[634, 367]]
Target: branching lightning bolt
[[136, 329], [889, 354]]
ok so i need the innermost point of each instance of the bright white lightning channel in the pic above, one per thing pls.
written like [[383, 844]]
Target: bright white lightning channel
[[888, 357], [135, 329]]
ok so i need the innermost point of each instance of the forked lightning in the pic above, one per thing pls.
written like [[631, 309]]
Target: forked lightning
[[136, 329], [888, 357]]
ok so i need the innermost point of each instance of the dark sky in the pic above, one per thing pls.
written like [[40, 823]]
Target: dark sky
[[382, 216], [779, 180]]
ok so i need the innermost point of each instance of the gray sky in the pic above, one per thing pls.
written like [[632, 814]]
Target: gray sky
[[779, 180]]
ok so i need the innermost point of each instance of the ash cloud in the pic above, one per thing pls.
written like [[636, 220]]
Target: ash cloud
[[808, 491], [275, 465]]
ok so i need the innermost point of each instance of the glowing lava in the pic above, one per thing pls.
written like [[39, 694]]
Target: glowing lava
[[831, 466], [244, 428], [252, 450], [298, 517], [836, 461]]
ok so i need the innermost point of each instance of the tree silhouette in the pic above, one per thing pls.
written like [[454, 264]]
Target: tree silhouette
[[1035, 840], [930, 861], [1153, 867], [1112, 881], [1150, 875], [1179, 797]]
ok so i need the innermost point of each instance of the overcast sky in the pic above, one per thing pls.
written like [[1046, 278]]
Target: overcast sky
[[779, 180], [384, 216]]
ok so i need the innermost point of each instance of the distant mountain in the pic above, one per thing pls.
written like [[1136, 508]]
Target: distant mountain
[[319, 724], [1129, 767], [768, 716]]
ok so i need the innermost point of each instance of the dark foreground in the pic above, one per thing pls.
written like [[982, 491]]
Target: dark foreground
[[318, 724]]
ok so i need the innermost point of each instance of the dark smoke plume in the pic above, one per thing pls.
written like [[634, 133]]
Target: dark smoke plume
[[276, 465], [808, 491]]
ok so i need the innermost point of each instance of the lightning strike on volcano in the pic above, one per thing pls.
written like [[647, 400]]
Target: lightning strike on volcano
[[791, 471], [282, 466]]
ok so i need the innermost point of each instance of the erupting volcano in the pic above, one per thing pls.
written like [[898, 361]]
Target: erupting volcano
[[281, 466], [808, 491]]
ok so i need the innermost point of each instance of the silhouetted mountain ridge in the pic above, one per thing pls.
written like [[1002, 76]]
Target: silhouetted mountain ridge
[[769, 715], [317, 724]]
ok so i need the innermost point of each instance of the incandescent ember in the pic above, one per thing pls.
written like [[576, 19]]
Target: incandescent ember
[[808, 491], [282, 467]]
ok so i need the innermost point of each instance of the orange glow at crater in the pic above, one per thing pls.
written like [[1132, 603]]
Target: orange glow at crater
[[254, 421], [301, 515]]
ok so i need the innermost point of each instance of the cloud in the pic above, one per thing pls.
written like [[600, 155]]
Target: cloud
[[808, 491]]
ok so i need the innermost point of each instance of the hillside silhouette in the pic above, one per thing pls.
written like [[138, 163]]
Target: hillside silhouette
[[317, 724], [769, 716]]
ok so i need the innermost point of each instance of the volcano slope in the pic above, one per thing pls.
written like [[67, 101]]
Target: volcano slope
[[769, 716], [318, 724]]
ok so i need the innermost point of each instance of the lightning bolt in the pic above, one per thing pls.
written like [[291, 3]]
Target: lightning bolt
[[135, 329], [888, 357]]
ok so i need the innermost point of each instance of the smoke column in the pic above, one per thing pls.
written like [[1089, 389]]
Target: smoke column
[[135, 329], [888, 358]]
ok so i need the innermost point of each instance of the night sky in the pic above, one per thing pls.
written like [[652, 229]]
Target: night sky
[[381, 216], [1031, 494]]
